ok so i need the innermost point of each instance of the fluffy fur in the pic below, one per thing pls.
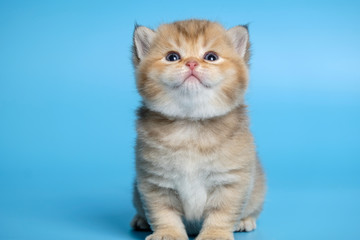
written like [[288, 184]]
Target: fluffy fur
[[197, 170]]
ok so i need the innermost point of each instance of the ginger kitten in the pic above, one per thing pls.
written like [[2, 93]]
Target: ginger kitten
[[197, 170]]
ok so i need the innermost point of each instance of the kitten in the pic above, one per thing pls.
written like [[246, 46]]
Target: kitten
[[197, 170]]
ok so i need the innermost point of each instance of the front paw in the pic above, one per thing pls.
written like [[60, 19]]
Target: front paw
[[215, 235], [246, 225], [166, 235]]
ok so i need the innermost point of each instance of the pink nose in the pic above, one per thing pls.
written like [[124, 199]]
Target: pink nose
[[192, 64]]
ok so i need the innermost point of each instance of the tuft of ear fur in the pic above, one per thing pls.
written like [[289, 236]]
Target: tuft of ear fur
[[239, 36], [142, 40]]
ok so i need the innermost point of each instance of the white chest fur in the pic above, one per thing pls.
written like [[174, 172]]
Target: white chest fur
[[188, 175], [192, 175], [192, 190], [181, 164]]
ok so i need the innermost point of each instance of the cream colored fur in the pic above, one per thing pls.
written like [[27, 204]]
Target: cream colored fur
[[196, 164]]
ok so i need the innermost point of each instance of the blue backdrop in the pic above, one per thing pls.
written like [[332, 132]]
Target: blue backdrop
[[67, 102]]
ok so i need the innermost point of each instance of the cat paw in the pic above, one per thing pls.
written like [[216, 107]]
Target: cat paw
[[166, 235], [140, 224], [215, 235], [246, 225]]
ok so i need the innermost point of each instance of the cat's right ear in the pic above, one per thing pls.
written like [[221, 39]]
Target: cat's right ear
[[239, 36], [142, 38]]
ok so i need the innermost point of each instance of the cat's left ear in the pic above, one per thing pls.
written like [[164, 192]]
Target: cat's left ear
[[239, 36], [143, 37]]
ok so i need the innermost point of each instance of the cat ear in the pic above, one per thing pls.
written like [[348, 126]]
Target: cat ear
[[142, 38], [239, 36]]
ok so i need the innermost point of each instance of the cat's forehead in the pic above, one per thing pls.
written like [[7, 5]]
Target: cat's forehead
[[192, 34], [191, 29]]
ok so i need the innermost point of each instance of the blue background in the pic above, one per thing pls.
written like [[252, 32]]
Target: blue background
[[67, 102]]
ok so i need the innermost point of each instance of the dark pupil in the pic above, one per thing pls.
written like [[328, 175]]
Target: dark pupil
[[173, 57], [211, 57]]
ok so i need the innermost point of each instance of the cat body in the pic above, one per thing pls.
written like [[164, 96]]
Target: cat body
[[196, 164]]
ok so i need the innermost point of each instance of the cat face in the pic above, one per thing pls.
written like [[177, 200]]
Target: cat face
[[191, 69]]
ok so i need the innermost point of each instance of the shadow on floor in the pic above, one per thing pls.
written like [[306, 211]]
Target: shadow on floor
[[110, 219]]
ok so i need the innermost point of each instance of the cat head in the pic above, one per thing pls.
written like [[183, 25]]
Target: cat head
[[191, 69]]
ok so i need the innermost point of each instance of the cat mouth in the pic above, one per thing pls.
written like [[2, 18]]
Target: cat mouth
[[192, 77]]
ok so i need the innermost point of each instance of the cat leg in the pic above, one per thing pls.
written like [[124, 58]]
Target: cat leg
[[163, 213], [225, 204], [254, 205], [139, 222]]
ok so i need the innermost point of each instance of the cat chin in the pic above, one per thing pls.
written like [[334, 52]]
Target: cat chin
[[195, 107]]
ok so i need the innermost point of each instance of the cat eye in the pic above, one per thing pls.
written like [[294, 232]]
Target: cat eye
[[172, 56], [211, 56]]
